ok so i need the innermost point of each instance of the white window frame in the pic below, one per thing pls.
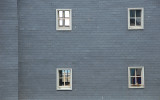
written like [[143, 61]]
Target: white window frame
[[142, 19], [70, 18], [142, 77], [63, 87]]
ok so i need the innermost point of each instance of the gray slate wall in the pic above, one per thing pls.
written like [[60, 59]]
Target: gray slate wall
[[99, 49], [8, 50]]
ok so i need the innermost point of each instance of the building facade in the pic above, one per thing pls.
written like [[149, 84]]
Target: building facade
[[107, 47]]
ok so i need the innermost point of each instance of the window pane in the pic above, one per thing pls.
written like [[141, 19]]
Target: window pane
[[138, 13], [138, 72], [138, 80], [132, 71], [60, 13], [66, 13], [63, 75], [61, 83], [138, 22], [67, 83], [67, 77], [132, 13], [60, 73], [132, 80], [67, 22], [132, 22], [61, 22]]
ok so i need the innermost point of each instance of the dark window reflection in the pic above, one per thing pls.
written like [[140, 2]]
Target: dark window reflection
[[132, 13], [132, 72], [132, 22], [135, 17], [132, 80], [138, 80], [138, 13], [61, 74], [135, 74], [138, 72]]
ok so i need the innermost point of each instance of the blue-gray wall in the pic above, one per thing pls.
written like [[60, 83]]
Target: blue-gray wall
[[99, 49], [8, 50]]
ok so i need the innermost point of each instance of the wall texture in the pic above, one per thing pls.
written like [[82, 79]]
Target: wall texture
[[8, 50], [99, 49]]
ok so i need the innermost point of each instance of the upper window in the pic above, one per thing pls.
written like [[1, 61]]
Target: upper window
[[63, 19], [64, 79], [135, 18], [136, 77]]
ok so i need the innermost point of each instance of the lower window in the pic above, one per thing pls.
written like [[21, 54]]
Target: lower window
[[64, 79], [136, 77]]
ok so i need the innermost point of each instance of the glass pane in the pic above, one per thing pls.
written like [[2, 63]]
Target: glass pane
[[61, 75], [67, 22], [138, 13], [67, 77], [132, 80], [138, 22], [68, 73], [60, 13], [67, 83], [138, 80], [61, 22], [66, 13], [132, 13], [132, 22], [138, 72], [132, 71]]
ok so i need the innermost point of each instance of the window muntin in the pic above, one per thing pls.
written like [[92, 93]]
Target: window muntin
[[64, 20], [64, 79], [135, 18], [136, 77]]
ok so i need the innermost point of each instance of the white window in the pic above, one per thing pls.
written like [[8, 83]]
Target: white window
[[135, 18], [64, 79], [136, 77], [63, 19]]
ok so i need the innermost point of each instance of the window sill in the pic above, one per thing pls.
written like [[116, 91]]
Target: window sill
[[64, 28], [135, 28], [64, 88], [136, 86]]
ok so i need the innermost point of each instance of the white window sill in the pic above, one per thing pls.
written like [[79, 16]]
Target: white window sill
[[64, 88], [142, 86], [64, 29], [135, 28]]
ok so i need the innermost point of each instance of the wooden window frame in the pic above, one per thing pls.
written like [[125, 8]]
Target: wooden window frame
[[57, 19], [142, 19], [142, 77], [63, 87]]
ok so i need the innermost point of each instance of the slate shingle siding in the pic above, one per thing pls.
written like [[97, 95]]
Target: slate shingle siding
[[8, 50], [99, 49]]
